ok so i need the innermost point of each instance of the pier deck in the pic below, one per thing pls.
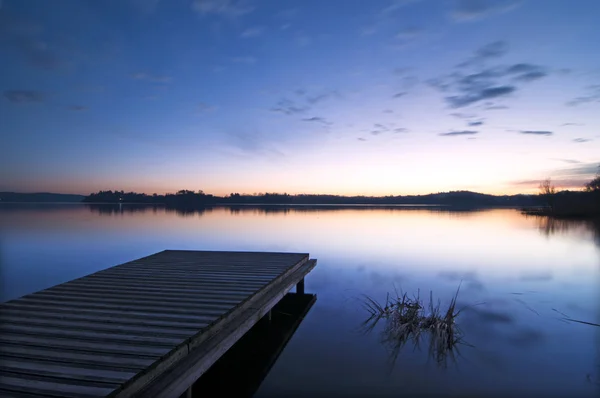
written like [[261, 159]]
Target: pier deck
[[149, 327]]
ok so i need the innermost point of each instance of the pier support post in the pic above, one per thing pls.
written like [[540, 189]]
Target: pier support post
[[300, 287]]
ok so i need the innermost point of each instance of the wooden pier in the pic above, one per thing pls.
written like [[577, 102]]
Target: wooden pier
[[147, 328]]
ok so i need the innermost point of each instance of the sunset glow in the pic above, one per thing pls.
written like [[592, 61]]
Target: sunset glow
[[355, 98]]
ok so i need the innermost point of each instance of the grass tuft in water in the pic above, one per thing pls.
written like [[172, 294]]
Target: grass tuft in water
[[408, 319]]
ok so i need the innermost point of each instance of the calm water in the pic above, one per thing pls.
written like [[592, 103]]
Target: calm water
[[519, 268]]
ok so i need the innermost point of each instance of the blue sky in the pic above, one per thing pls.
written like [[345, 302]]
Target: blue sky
[[350, 97]]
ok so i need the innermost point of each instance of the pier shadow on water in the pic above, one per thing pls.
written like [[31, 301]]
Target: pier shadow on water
[[240, 372]]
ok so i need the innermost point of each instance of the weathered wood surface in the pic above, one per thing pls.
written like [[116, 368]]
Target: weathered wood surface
[[148, 326]]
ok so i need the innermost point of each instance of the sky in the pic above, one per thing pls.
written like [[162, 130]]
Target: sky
[[351, 97]]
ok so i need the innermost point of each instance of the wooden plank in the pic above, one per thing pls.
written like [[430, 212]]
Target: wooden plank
[[156, 302], [138, 330], [193, 289], [157, 291], [175, 298], [53, 388], [176, 281], [138, 361], [68, 344], [123, 312], [119, 319], [140, 307], [77, 372], [7, 330]]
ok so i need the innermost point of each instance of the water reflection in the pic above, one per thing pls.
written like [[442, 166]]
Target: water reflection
[[244, 366], [503, 258], [549, 226], [407, 320]]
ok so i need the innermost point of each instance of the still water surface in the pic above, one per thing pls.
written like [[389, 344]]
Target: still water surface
[[518, 270]]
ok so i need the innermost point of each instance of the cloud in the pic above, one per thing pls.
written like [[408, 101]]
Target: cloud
[[151, 78], [457, 133], [288, 107], [388, 111], [535, 132], [361, 139], [463, 115], [317, 119], [581, 140], [485, 83], [570, 161], [473, 10], [244, 60], [255, 31], [475, 123], [491, 50], [396, 5], [225, 8], [592, 96], [316, 99], [77, 108], [398, 95], [526, 72], [495, 107], [24, 96], [400, 130], [587, 169], [572, 124], [473, 96]]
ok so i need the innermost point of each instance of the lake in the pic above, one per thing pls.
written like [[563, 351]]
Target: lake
[[517, 276]]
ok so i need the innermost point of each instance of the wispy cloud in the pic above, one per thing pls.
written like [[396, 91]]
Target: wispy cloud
[[244, 60], [226, 8], [495, 107], [526, 72], [361, 139], [395, 5], [255, 31], [581, 140], [570, 161], [24, 96], [151, 78], [289, 107], [458, 133], [489, 51], [475, 95], [535, 132], [398, 95], [485, 84], [572, 124], [473, 10], [475, 123], [592, 96], [317, 119]]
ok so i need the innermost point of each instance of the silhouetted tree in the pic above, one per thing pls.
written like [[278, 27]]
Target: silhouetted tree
[[594, 185], [548, 192]]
